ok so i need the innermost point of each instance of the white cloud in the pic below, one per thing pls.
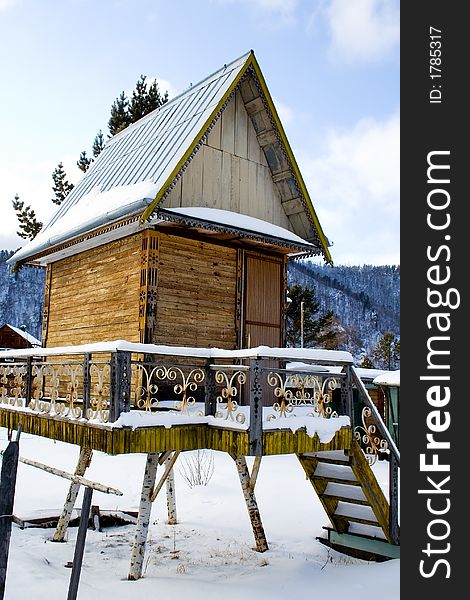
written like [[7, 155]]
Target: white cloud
[[4, 4], [286, 114], [355, 188], [363, 30], [281, 12]]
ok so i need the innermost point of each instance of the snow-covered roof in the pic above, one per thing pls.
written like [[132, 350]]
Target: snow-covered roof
[[24, 334], [228, 220], [141, 164], [390, 378]]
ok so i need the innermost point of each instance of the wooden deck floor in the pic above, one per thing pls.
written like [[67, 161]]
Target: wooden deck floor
[[126, 440]]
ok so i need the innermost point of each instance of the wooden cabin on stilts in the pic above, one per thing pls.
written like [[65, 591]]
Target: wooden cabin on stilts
[[166, 283]]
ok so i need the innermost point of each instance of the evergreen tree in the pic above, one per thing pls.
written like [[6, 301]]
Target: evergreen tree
[[318, 330], [61, 187], [144, 100], [98, 144], [387, 352], [119, 118], [29, 226], [366, 363], [83, 163]]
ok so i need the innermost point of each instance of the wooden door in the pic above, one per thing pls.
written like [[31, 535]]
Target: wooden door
[[263, 299]]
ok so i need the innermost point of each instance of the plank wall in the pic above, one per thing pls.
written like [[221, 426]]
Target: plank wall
[[196, 303], [94, 295], [230, 172]]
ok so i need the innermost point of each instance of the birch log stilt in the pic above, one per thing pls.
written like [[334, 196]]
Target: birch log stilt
[[143, 519], [83, 463], [252, 506], [171, 496]]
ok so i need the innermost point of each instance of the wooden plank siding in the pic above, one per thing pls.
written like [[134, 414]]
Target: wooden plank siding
[[196, 304], [230, 172], [94, 295]]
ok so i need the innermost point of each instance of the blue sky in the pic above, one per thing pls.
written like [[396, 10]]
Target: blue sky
[[332, 67]]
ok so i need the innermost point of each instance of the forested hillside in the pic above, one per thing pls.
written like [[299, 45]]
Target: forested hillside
[[365, 299], [21, 296]]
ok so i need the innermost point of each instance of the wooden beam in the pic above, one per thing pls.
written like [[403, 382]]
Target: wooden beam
[[106, 489], [169, 461], [254, 472]]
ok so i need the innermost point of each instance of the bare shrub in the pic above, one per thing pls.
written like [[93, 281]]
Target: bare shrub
[[197, 468]]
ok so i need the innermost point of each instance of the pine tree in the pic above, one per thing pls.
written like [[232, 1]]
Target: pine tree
[[144, 100], [29, 226], [119, 118], [366, 363], [61, 187], [319, 330], [83, 163], [98, 144], [387, 352]]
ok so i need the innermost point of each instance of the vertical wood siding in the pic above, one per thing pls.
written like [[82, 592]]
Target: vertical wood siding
[[230, 172]]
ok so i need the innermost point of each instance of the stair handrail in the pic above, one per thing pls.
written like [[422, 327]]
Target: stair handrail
[[377, 416]]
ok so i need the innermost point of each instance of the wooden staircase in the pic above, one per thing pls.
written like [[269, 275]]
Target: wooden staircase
[[354, 502]]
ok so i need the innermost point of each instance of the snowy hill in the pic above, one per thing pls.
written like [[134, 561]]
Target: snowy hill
[[21, 296]]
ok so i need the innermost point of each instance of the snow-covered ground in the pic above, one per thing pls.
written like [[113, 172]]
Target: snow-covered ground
[[207, 555]]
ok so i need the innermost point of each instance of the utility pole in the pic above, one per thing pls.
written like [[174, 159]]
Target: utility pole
[[301, 324]]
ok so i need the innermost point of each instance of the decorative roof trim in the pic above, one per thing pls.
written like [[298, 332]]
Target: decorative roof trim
[[167, 215], [78, 240]]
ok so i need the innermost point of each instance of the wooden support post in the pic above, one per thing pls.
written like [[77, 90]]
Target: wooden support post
[[80, 545], [7, 496], [256, 409], [171, 496], [252, 506], [143, 519], [83, 463]]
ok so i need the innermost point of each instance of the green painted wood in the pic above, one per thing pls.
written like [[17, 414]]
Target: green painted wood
[[365, 544]]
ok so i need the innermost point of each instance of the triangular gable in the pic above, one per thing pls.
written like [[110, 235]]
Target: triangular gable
[[140, 166]]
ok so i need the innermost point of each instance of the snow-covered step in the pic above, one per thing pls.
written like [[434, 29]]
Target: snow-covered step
[[347, 493], [366, 530], [356, 512], [336, 473], [329, 456]]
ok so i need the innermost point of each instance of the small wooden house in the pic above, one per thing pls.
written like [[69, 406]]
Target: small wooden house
[[180, 231], [15, 337]]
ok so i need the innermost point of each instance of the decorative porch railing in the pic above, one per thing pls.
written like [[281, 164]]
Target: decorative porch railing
[[255, 389]]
